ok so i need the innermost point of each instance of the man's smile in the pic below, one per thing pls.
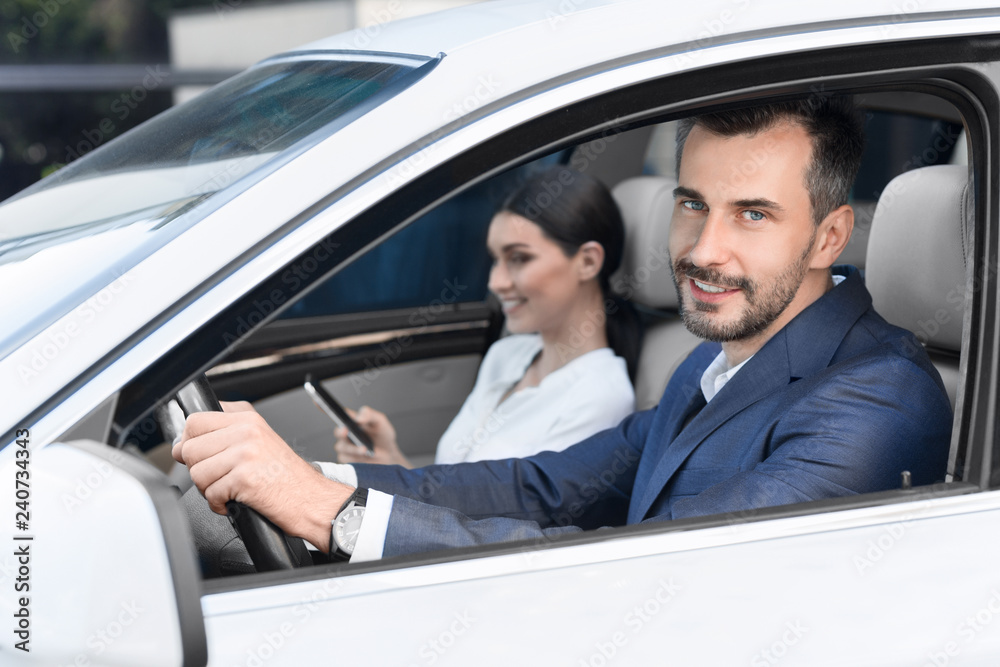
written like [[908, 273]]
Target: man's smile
[[709, 293]]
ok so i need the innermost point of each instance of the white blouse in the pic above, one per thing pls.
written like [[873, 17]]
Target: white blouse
[[589, 394]]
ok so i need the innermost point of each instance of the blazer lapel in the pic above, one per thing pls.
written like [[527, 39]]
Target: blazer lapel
[[806, 345], [765, 372]]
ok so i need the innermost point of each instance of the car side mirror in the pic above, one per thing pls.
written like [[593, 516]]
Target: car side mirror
[[99, 568]]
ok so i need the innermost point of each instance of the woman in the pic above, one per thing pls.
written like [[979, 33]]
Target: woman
[[556, 380]]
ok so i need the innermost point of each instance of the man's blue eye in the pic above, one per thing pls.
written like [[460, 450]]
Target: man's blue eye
[[756, 216], [695, 205]]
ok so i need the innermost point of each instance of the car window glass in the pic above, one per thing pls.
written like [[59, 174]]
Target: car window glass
[[200, 147], [440, 255], [898, 142], [101, 215]]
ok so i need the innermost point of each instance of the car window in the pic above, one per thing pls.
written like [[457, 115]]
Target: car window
[[199, 148], [104, 213], [442, 254]]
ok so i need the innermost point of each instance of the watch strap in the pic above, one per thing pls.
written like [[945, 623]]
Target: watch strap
[[359, 497]]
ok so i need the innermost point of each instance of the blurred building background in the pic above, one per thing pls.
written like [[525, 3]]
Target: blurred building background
[[74, 74]]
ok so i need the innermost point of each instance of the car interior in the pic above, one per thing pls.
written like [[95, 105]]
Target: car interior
[[404, 326]]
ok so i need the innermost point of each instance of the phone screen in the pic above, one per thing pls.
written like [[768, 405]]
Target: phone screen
[[335, 411]]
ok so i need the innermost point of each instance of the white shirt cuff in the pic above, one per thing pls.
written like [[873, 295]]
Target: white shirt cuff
[[371, 538], [338, 472]]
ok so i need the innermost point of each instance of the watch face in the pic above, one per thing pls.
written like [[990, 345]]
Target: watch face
[[345, 530]]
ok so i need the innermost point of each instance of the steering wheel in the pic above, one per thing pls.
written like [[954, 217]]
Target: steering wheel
[[267, 545]]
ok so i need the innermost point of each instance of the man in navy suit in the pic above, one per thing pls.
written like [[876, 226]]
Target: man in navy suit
[[803, 391]]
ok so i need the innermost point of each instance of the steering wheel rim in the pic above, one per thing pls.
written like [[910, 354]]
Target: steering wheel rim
[[268, 546]]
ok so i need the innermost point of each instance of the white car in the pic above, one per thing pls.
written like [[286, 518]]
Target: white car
[[324, 213]]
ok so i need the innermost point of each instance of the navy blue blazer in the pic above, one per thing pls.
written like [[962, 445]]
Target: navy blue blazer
[[838, 402]]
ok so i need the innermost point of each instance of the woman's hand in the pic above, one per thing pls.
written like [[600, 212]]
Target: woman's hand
[[383, 435]]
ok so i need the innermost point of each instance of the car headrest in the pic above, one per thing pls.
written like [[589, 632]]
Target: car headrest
[[646, 203], [917, 253]]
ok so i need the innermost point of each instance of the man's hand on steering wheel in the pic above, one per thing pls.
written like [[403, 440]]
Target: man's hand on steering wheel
[[235, 455]]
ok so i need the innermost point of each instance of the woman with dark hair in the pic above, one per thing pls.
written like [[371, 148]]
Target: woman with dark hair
[[564, 373]]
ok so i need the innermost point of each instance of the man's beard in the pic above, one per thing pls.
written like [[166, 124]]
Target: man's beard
[[764, 303]]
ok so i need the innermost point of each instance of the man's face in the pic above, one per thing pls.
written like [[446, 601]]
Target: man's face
[[742, 235]]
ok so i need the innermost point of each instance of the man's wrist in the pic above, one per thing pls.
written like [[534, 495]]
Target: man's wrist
[[316, 523]]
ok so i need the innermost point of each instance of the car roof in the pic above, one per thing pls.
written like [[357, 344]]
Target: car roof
[[517, 27]]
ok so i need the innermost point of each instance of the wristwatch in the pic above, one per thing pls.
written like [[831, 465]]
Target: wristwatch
[[344, 529]]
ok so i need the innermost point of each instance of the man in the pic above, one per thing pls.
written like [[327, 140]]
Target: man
[[803, 393]]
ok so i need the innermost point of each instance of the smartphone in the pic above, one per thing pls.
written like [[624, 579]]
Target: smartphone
[[335, 411]]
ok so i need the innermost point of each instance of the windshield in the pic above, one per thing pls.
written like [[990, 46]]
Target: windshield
[[133, 195]]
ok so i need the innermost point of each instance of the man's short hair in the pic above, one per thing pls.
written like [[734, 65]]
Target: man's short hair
[[834, 124]]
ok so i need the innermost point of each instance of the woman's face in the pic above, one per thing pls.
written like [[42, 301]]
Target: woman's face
[[537, 284]]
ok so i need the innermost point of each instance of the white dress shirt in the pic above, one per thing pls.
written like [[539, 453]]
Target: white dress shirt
[[589, 394]]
